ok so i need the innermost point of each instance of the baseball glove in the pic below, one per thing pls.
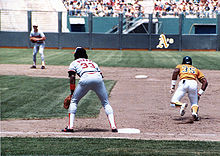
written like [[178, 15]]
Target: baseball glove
[[33, 41], [66, 102]]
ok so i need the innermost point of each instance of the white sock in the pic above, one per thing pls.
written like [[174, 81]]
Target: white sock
[[112, 121], [43, 63], [71, 120]]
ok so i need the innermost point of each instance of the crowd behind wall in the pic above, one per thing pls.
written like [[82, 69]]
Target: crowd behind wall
[[132, 8], [103, 8], [191, 8]]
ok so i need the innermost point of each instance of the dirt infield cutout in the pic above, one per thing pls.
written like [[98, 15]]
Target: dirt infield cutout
[[138, 103]]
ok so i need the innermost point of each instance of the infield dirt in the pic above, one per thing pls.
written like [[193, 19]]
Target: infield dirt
[[138, 103]]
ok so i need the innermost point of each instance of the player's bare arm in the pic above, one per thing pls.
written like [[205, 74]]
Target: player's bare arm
[[32, 38], [41, 39], [204, 83], [175, 73], [38, 39], [72, 76], [174, 78]]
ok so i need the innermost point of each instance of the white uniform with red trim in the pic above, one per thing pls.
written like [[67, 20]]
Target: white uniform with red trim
[[90, 79], [39, 45], [82, 66]]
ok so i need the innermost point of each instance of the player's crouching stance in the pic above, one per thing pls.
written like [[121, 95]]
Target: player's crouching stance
[[188, 84], [90, 79]]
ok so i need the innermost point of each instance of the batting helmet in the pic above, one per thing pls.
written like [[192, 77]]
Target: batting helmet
[[187, 60], [80, 53]]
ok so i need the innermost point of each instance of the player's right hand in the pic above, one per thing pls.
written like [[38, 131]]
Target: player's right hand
[[172, 89]]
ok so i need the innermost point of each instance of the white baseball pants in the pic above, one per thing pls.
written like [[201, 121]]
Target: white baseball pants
[[40, 48], [91, 82], [186, 86]]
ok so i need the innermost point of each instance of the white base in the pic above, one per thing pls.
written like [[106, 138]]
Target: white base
[[141, 76], [128, 130]]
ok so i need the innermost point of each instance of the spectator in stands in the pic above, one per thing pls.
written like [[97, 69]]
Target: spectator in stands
[[78, 8], [157, 10], [206, 10], [71, 9]]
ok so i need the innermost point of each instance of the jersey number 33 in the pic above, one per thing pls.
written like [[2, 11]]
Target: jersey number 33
[[87, 65]]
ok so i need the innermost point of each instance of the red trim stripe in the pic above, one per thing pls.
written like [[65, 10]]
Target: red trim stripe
[[69, 121]]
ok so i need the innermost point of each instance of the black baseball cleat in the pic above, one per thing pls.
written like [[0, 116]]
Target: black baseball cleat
[[33, 67], [114, 130], [43, 67], [67, 130], [195, 117]]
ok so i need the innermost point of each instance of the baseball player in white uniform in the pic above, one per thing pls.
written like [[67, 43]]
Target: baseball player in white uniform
[[38, 38], [90, 79], [188, 84]]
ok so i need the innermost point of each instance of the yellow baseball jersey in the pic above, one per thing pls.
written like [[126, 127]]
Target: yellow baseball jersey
[[189, 72]]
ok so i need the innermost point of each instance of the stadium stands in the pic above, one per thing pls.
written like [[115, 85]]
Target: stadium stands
[[190, 8], [148, 6], [105, 8], [13, 13], [44, 12]]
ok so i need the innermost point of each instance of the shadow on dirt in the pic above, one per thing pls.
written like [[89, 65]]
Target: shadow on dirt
[[92, 130], [184, 120]]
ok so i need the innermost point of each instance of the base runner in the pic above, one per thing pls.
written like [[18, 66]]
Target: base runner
[[90, 79], [188, 84]]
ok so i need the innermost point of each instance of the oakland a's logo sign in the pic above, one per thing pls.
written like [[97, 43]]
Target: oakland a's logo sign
[[164, 42]]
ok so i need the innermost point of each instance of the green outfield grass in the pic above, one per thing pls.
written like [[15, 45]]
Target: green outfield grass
[[110, 147], [116, 58], [34, 97]]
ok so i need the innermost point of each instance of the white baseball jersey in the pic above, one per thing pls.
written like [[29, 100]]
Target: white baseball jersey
[[82, 66], [38, 34]]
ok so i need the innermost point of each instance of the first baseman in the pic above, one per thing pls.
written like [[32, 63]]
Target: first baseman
[[38, 38], [90, 79], [188, 84]]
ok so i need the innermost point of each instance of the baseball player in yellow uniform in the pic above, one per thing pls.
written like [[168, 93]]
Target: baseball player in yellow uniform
[[188, 75]]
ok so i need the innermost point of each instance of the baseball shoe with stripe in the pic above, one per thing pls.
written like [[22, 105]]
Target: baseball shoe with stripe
[[67, 130], [182, 109]]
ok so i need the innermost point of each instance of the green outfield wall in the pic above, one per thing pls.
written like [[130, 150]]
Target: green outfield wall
[[100, 24], [166, 25], [172, 35], [170, 25]]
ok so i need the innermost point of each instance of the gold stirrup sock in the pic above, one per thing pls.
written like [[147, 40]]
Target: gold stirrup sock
[[195, 108]]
